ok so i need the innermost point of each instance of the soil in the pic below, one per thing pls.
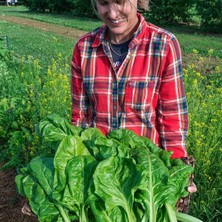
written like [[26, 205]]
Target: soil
[[10, 202]]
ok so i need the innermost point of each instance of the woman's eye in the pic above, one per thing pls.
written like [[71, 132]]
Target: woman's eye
[[102, 2], [118, 2]]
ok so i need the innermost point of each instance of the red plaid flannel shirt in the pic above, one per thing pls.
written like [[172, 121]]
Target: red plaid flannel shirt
[[145, 95]]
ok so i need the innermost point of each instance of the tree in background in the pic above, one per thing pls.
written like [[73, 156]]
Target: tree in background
[[38, 5], [62, 6], [77, 7], [161, 11], [82, 8], [210, 12], [170, 11]]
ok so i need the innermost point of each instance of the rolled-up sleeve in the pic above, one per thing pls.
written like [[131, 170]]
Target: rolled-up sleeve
[[81, 109], [172, 108]]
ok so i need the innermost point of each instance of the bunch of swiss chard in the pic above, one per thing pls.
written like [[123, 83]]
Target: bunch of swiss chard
[[120, 177]]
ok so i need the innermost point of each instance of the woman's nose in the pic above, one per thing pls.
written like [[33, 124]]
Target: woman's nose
[[113, 11]]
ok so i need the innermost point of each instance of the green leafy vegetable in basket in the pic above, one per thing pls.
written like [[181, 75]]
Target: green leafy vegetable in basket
[[120, 177]]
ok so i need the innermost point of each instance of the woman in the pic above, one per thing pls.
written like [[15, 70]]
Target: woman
[[128, 74]]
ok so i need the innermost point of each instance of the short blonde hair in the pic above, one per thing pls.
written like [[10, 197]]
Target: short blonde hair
[[141, 4]]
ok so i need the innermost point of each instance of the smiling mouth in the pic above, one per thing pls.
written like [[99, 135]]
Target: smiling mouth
[[116, 21]]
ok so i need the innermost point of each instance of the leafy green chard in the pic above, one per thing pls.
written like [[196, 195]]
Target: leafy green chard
[[116, 179], [70, 147], [96, 178], [54, 128], [79, 178], [37, 185]]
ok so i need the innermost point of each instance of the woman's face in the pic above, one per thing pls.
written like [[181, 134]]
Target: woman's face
[[121, 20]]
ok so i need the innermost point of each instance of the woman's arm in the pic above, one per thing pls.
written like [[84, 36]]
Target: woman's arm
[[172, 109], [81, 109]]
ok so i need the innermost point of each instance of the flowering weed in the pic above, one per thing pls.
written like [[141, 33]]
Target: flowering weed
[[28, 94], [203, 82]]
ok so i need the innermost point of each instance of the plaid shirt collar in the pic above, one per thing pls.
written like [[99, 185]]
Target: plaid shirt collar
[[100, 35]]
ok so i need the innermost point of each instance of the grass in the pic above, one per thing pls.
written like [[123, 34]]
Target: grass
[[204, 95], [189, 37], [38, 44], [203, 82], [202, 43], [64, 20]]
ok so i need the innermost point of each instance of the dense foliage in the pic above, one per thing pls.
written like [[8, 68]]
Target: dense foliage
[[160, 12], [78, 7], [27, 94], [211, 14], [168, 11], [96, 178]]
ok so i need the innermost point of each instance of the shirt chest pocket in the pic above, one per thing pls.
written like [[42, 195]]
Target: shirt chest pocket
[[139, 94]]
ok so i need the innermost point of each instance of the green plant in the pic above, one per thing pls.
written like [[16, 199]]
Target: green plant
[[4, 53], [204, 95], [82, 8], [211, 14], [171, 11], [58, 6], [40, 5], [27, 95], [121, 177], [16, 134]]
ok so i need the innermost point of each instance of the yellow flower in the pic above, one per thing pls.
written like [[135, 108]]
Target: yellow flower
[[210, 51], [198, 74], [219, 90], [217, 69], [209, 87], [195, 82], [194, 51], [201, 58]]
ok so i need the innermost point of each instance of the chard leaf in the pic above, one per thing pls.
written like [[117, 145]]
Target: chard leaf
[[154, 184], [89, 137], [133, 141], [77, 193], [186, 218], [69, 147], [37, 187], [54, 128], [105, 148], [91, 134], [101, 215], [116, 180], [42, 170], [127, 137], [102, 147], [19, 184], [178, 182], [39, 201], [171, 213], [99, 211]]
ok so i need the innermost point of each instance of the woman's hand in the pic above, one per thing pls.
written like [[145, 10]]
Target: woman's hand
[[183, 204], [192, 188], [26, 209]]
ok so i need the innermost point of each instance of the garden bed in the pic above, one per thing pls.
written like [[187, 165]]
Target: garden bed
[[10, 202], [43, 26]]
